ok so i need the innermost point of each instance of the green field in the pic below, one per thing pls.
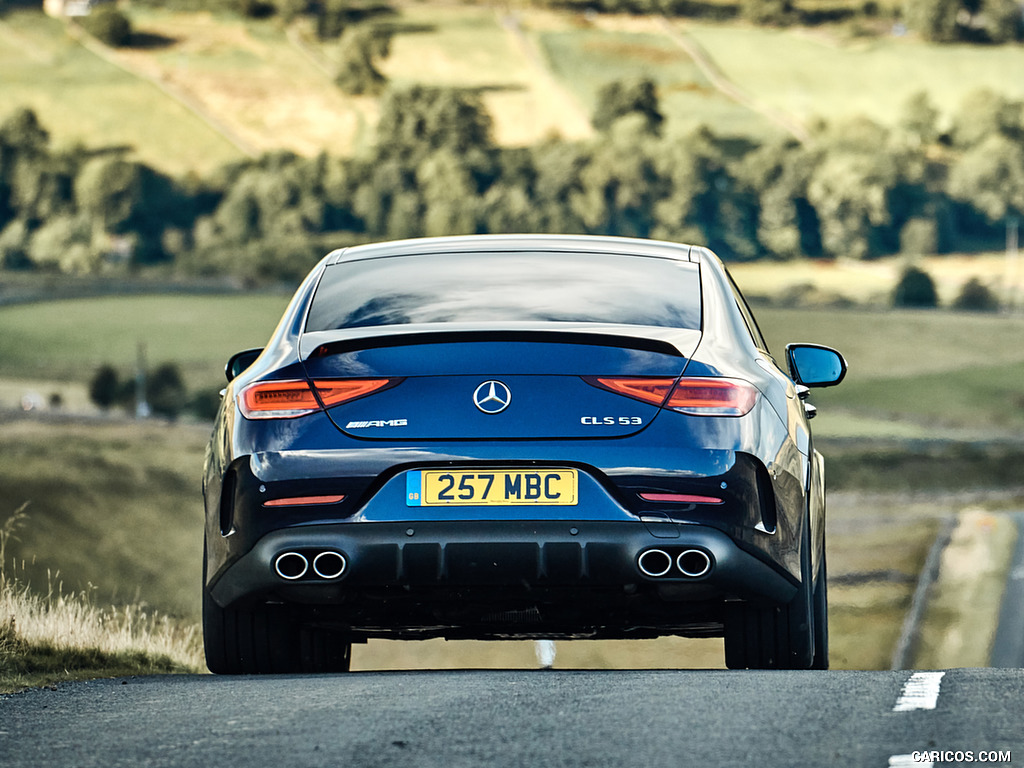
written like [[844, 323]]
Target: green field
[[584, 60], [80, 98], [811, 75], [914, 374], [65, 341]]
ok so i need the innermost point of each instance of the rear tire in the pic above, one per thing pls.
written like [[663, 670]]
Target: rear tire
[[267, 640], [780, 637], [821, 617]]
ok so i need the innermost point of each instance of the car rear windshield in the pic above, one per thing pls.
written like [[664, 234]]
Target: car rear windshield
[[507, 287]]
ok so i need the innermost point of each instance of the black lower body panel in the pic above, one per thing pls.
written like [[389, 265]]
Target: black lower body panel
[[499, 579]]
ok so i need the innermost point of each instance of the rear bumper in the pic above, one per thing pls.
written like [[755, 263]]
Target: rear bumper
[[507, 564]]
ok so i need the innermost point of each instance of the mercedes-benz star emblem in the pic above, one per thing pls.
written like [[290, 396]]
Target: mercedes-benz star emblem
[[492, 397]]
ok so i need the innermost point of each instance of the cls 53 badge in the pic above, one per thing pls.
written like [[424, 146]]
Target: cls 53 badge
[[624, 421]]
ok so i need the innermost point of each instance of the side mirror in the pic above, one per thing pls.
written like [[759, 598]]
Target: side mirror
[[240, 361], [813, 365]]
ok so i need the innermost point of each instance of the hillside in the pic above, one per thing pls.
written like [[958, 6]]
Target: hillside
[[205, 88]]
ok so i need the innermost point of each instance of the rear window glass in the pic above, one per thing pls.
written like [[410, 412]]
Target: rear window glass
[[507, 287]]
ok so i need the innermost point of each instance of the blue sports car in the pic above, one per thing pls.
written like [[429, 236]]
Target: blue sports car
[[515, 437]]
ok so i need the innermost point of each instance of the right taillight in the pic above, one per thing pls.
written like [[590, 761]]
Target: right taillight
[[703, 396], [712, 397], [290, 398]]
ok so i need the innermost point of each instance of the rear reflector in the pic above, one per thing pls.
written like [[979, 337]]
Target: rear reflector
[[680, 498], [705, 396], [303, 501], [292, 398]]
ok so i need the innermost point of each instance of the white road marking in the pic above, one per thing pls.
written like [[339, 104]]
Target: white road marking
[[921, 691], [545, 650]]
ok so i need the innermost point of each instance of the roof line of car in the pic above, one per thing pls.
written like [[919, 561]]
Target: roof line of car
[[517, 243]]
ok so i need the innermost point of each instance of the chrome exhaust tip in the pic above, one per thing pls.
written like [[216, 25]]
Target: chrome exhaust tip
[[329, 565], [693, 563], [654, 562], [291, 565]]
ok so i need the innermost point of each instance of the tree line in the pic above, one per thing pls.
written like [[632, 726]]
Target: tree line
[[856, 189], [942, 21]]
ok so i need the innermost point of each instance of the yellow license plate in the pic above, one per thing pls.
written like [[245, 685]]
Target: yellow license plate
[[498, 487]]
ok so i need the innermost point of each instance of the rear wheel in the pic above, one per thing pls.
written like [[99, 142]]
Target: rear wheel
[[821, 616], [266, 640], [784, 636]]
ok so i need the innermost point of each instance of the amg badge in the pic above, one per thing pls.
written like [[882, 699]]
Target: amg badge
[[379, 423]]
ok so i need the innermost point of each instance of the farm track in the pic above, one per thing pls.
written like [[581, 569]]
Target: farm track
[[170, 90], [725, 86]]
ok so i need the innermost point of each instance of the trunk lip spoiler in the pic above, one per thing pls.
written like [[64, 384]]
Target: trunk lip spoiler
[[671, 342]]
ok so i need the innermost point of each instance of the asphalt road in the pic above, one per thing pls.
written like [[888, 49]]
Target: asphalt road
[[1008, 645], [538, 718]]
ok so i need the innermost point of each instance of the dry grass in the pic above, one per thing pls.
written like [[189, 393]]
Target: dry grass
[[960, 623], [59, 636]]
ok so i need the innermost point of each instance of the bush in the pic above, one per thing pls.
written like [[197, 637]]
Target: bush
[[165, 391], [975, 296], [915, 289], [108, 25], [105, 387]]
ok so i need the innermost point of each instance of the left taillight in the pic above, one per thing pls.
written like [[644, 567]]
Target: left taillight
[[290, 399]]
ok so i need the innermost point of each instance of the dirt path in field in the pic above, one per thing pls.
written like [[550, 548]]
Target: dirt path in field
[[154, 76], [725, 86], [573, 118]]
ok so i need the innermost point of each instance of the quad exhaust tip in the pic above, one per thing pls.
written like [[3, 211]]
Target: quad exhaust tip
[[291, 565], [329, 565], [691, 563], [326, 565], [655, 562]]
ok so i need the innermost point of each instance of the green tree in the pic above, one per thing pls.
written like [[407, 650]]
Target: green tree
[[165, 391], [1003, 21], [934, 20], [620, 184], [105, 387], [918, 119], [777, 12], [984, 113], [449, 194], [108, 189], [420, 120], [109, 25], [63, 243], [990, 177], [863, 189], [779, 173], [629, 97], [915, 288], [361, 48], [975, 296]]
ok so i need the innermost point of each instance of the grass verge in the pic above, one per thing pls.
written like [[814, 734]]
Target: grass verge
[[57, 637], [960, 623]]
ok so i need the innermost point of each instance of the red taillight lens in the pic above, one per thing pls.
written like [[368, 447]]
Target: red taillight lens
[[334, 392], [694, 396], [277, 400], [290, 399], [649, 390], [712, 397]]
